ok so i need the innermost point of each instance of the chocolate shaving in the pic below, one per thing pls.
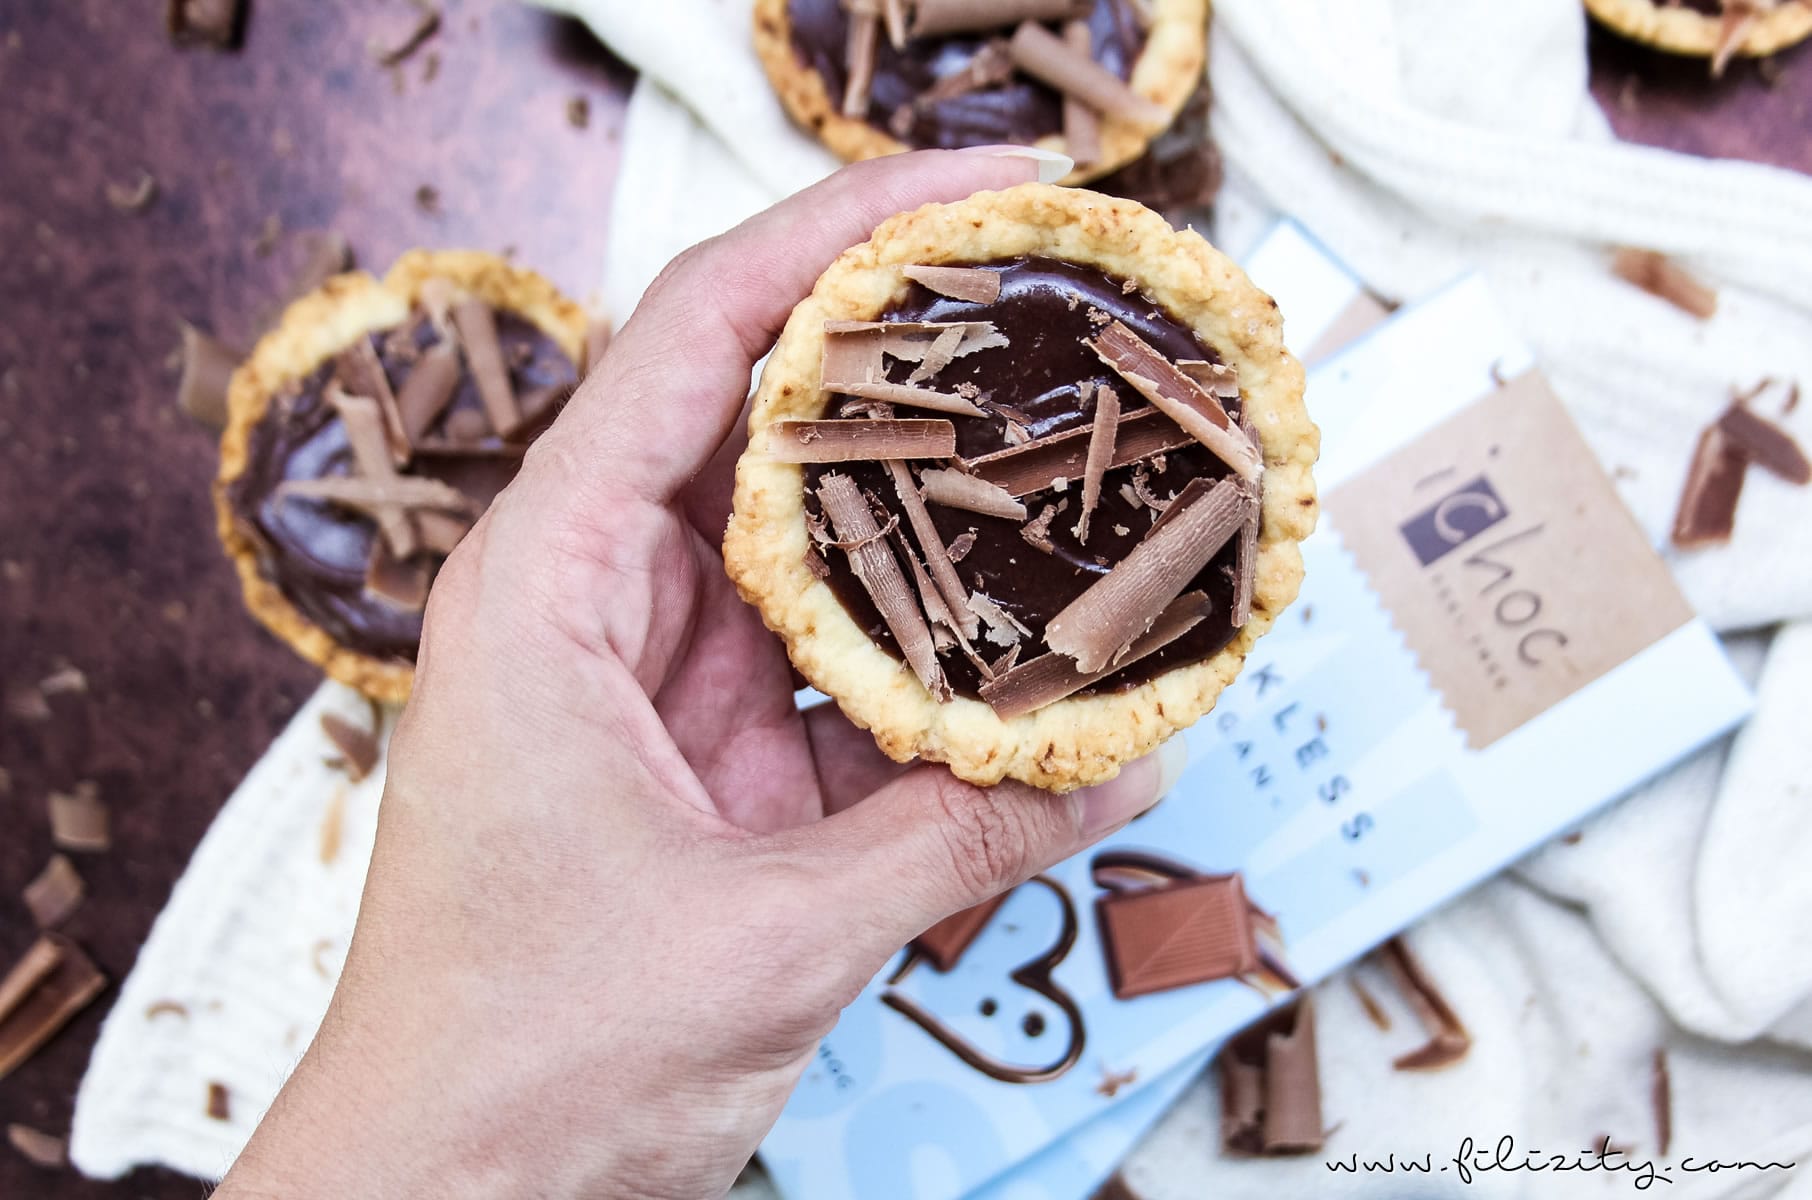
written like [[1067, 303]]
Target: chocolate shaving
[[814, 562], [55, 894], [1141, 486], [860, 441], [1737, 21], [1271, 1086], [1661, 1093], [962, 543], [1050, 677], [991, 65], [1187, 403], [1121, 605], [955, 489], [973, 284], [1081, 124], [859, 59], [79, 821], [1037, 532], [939, 356], [358, 746], [1448, 1040], [1245, 554], [911, 397], [1374, 1012], [1708, 499], [32, 1015], [219, 1105], [403, 582], [65, 680], [935, 18], [893, 17], [361, 373], [1765, 444], [1037, 465], [1661, 277], [133, 198], [211, 22], [166, 1008], [427, 390], [942, 562], [442, 531], [876, 568], [207, 374], [1221, 380], [1005, 662], [477, 326], [1004, 629], [427, 24], [1049, 59], [37, 1148], [1100, 454], [373, 495], [24, 976], [333, 823]]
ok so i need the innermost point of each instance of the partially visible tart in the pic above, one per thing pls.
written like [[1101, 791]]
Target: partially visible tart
[[1714, 29], [365, 435], [1026, 479], [1094, 79]]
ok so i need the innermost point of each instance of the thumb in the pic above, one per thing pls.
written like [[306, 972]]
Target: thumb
[[928, 844]]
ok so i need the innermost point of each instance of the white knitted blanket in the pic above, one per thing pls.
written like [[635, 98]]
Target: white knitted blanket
[[1415, 138]]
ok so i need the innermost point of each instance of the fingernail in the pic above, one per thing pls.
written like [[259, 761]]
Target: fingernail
[[1052, 166], [1139, 785]]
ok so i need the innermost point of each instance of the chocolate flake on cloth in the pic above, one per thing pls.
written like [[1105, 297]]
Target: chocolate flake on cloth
[[1661, 1092], [973, 284], [427, 389], [1448, 1040], [32, 1015], [23, 977], [1081, 124], [1661, 277], [940, 562], [1036, 465], [1049, 59], [56, 893], [1765, 444], [477, 326], [1271, 1085], [36, 1147], [875, 567], [358, 747], [861, 441], [1100, 454], [1708, 499], [219, 1105], [1185, 932], [1121, 605], [859, 55], [211, 22], [936, 18], [1186, 402], [956, 489], [944, 943], [361, 373], [1004, 629], [79, 821], [1050, 677], [207, 373]]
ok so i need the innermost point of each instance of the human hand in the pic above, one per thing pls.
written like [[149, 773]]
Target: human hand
[[621, 886]]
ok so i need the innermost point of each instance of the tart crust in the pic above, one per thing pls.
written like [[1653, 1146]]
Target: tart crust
[[1680, 30], [1082, 739], [313, 330], [1167, 72]]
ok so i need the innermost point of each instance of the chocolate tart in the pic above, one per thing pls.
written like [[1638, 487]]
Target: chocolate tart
[[940, 75], [1026, 479], [368, 431], [1714, 29]]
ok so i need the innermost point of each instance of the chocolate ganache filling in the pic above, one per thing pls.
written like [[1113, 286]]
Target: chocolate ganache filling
[[320, 553], [1046, 378], [1015, 109]]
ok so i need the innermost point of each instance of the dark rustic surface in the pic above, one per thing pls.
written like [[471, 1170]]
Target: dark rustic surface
[[107, 560], [106, 545]]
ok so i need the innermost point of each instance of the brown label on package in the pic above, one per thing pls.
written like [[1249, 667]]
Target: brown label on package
[[1511, 567]]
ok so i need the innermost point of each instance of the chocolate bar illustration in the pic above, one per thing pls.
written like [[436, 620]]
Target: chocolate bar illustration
[[1165, 925]]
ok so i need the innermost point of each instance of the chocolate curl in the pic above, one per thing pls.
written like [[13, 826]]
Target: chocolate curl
[[1245, 555], [1049, 59], [972, 284], [935, 18], [360, 371], [38, 1000], [943, 570], [477, 326], [893, 15], [875, 567], [1048, 678], [1081, 124], [1448, 1040], [370, 442], [1765, 444], [859, 58], [1100, 453], [954, 489], [1185, 401], [428, 389], [860, 441], [1121, 605], [1035, 465]]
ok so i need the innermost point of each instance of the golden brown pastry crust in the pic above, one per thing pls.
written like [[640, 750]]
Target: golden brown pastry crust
[[314, 329], [1083, 739], [1167, 72], [1680, 30]]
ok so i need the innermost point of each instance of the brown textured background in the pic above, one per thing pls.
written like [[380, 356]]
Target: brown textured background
[[107, 557]]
